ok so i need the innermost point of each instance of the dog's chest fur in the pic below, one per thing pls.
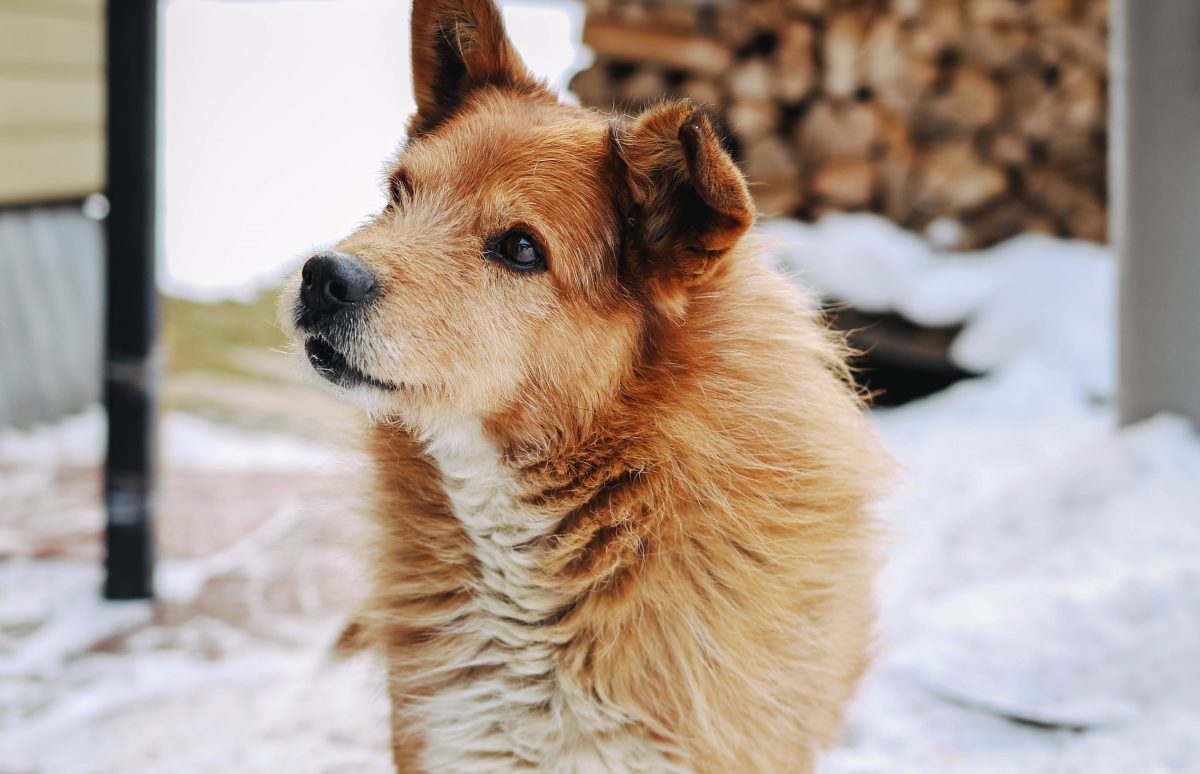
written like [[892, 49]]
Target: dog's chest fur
[[513, 708]]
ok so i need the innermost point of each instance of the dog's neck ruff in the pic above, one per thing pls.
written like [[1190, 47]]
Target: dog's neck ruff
[[513, 709]]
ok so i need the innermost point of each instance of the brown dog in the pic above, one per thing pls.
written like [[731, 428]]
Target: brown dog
[[621, 473]]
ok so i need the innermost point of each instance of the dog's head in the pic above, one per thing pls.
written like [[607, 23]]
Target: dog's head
[[528, 247]]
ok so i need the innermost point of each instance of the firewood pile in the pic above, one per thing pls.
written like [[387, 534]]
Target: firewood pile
[[986, 115]]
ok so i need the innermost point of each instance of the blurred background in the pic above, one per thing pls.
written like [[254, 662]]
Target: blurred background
[[996, 199]]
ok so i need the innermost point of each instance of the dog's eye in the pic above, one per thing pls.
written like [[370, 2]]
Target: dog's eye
[[399, 187], [518, 251]]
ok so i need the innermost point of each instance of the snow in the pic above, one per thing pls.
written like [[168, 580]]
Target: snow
[[1033, 297], [231, 668], [1039, 609], [188, 441], [65, 621], [1043, 573]]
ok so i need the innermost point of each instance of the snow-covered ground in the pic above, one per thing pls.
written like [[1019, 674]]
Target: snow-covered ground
[[1041, 606], [1040, 609]]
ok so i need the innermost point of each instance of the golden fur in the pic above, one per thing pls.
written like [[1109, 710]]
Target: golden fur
[[621, 502]]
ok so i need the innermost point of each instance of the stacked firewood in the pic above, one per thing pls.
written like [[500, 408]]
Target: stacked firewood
[[987, 117]]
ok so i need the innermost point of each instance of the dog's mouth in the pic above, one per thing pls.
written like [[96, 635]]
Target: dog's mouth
[[334, 367]]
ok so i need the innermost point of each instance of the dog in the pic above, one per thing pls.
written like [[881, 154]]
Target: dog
[[622, 480]]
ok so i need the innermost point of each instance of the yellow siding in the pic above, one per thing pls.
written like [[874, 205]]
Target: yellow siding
[[34, 103], [55, 168], [51, 99], [34, 40]]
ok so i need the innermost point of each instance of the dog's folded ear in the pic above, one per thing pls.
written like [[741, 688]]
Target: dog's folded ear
[[459, 46], [688, 202]]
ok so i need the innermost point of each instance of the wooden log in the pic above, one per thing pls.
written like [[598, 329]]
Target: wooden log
[[953, 179], [628, 13], [674, 17], [701, 90], [922, 43], [990, 225], [986, 12], [808, 7], [1095, 16], [593, 87], [999, 46], [1078, 158], [972, 101], [1040, 224], [795, 71], [904, 10], [671, 51], [1075, 104], [1075, 208], [599, 7], [774, 176], [734, 28], [975, 97], [843, 47], [1078, 45], [1008, 149], [892, 135], [830, 129], [644, 88], [896, 76], [845, 182], [894, 166], [1050, 192], [763, 16], [1030, 105], [892, 153], [944, 20], [1054, 13], [898, 184], [1083, 100], [1089, 221], [751, 119], [751, 79]]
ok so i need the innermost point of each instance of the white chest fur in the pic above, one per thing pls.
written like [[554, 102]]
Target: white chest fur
[[517, 712]]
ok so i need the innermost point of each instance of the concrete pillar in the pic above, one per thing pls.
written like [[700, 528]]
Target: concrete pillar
[[1155, 193]]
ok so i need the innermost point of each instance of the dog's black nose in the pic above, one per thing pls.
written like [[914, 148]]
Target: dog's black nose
[[334, 282]]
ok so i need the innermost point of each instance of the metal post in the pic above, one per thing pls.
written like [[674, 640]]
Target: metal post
[[1156, 204], [131, 314]]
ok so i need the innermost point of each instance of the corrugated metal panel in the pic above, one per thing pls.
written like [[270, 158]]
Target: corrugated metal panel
[[51, 325]]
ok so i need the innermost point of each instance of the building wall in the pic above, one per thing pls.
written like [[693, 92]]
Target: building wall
[[51, 99], [51, 256], [51, 325]]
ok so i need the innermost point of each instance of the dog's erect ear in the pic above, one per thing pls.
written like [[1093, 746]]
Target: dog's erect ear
[[458, 46], [689, 204]]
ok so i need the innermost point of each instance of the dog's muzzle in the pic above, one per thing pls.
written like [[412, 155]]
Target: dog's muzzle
[[333, 287]]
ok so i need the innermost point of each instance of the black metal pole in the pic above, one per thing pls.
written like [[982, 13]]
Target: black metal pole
[[132, 301]]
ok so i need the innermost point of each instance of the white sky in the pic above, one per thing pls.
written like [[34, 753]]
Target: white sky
[[278, 117]]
